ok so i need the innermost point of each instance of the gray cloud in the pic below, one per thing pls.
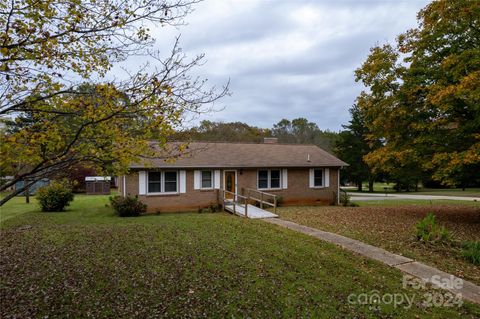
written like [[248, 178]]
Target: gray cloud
[[289, 59]]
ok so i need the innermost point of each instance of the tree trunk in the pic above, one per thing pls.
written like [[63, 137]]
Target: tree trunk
[[370, 185], [359, 186]]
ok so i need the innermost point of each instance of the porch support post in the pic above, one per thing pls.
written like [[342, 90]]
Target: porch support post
[[274, 204]]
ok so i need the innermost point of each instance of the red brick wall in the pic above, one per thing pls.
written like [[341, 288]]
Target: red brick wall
[[297, 193]]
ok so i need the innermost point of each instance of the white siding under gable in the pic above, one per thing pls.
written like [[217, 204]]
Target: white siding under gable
[[142, 183], [183, 181]]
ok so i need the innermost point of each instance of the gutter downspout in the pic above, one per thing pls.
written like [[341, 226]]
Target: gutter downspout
[[338, 185]]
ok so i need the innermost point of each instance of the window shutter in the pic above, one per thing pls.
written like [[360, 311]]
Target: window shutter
[[216, 182], [183, 181], [142, 183], [311, 178], [284, 178], [197, 179], [326, 174]]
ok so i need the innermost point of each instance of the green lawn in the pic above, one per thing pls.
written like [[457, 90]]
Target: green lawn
[[88, 263], [16, 206], [380, 188], [414, 202]]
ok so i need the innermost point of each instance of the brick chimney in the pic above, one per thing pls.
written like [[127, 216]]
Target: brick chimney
[[270, 140]]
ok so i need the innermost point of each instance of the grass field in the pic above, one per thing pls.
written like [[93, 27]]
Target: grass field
[[86, 262], [415, 202], [380, 188], [393, 228]]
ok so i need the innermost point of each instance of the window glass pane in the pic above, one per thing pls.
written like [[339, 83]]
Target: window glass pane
[[318, 177], [170, 187], [154, 182], [170, 176], [154, 176], [275, 173], [263, 179], [206, 179], [275, 178], [263, 174], [262, 183], [170, 182], [154, 187]]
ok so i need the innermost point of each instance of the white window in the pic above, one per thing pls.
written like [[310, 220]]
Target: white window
[[318, 178], [154, 182], [269, 179], [163, 182], [207, 179]]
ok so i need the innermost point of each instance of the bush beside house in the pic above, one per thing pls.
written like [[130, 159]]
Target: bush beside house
[[127, 206]]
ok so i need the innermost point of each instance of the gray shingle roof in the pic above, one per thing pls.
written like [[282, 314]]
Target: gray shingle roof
[[224, 154]]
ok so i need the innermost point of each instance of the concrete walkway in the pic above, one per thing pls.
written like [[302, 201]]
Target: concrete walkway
[[378, 196], [468, 290]]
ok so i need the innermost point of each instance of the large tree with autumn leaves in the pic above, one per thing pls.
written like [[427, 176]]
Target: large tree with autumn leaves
[[423, 97], [59, 105]]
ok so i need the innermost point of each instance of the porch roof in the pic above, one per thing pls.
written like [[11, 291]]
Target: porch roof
[[242, 155]]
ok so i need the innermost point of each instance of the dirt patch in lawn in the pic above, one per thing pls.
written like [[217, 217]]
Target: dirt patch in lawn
[[393, 228]]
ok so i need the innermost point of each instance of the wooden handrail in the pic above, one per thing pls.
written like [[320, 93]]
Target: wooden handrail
[[261, 201], [234, 200], [235, 194], [246, 199], [263, 193]]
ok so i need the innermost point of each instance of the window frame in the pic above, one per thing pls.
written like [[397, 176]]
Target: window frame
[[211, 179], [156, 182], [269, 179], [162, 182], [322, 179]]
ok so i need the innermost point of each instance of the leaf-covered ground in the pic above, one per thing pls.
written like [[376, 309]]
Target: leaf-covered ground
[[88, 263], [393, 228]]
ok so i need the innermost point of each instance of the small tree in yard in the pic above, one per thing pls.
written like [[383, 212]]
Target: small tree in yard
[[55, 197]]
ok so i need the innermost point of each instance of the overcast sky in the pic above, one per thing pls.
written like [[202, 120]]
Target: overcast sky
[[289, 58]]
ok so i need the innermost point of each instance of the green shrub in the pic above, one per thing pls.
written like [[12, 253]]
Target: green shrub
[[345, 200], [55, 197], [127, 206], [429, 231], [471, 252]]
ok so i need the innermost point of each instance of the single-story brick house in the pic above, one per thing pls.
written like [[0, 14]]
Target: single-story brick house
[[296, 173]]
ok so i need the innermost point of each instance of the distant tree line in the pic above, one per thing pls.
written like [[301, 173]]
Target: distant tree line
[[298, 130]]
